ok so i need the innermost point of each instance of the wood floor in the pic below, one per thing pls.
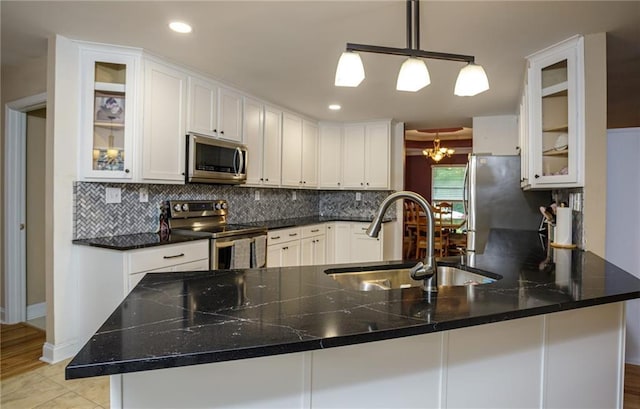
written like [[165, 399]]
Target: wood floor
[[21, 348]]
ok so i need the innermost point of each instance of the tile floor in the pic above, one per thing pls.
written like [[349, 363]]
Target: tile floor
[[45, 387]]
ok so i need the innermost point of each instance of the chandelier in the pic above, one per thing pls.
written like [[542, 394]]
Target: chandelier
[[437, 153], [414, 74]]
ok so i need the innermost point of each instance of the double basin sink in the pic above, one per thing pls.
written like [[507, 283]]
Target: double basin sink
[[390, 277]]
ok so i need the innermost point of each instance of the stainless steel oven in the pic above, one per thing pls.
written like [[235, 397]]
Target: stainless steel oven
[[207, 218], [211, 160]]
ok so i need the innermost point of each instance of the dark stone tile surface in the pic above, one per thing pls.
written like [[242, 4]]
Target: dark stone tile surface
[[172, 320], [136, 241]]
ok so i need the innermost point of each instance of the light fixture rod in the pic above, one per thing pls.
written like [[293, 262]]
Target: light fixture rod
[[408, 52], [409, 26], [416, 24]]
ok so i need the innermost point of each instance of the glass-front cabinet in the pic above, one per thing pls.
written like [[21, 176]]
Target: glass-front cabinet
[[109, 114], [555, 93]]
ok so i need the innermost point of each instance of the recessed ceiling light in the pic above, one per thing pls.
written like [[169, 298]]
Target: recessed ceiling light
[[335, 107], [180, 27]]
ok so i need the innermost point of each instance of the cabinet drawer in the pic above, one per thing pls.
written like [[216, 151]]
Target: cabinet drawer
[[283, 235], [313, 230], [167, 256]]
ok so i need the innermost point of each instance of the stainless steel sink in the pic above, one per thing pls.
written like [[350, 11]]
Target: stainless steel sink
[[380, 278]]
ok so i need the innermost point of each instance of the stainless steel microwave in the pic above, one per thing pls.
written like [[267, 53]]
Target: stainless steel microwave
[[211, 160]]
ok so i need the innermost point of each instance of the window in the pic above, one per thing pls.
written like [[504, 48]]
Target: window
[[447, 185]]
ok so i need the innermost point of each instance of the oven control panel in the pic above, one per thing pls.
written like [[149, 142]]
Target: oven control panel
[[181, 209]]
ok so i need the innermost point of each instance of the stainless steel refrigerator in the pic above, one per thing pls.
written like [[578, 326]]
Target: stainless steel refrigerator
[[494, 199]]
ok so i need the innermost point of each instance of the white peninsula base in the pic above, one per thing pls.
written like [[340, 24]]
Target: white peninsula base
[[570, 359]]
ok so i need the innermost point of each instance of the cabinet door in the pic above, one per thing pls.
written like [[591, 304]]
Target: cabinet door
[[202, 106], [253, 129], [229, 115], [320, 250], [523, 129], [271, 167], [307, 251], [353, 156], [556, 104], [110, 114], [274, 256], [291, 150], [363, 247], [341, 246], [291, 253], [309, 154], [164, 126], [377, 156], [330, 156]]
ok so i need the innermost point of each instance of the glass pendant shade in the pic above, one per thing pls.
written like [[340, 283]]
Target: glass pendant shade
[[413, 75], [350, 71], [471, 81]]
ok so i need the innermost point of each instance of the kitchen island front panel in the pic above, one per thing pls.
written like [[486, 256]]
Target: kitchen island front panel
[[173, 320]]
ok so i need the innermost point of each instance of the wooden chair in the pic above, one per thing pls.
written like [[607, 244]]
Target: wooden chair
[[440, 238], [410, 217]]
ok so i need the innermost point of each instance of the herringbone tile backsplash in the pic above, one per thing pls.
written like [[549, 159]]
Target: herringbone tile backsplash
[[95, 218]]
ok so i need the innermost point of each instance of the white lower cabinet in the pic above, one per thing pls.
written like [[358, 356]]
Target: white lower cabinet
[[313, 245], [347, 242], [571, 359], [107, 276], [283, 247]]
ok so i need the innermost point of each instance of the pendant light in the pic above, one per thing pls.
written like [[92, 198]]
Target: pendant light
[[413, 74]]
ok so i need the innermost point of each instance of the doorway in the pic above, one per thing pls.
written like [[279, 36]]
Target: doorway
[[17, 117]]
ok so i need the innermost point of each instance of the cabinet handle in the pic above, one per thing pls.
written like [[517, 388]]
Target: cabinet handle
[[329, 227], [221, 132], [261, 179], [367, 183], [304, 183], [315, 230], [285, 248], [215, 131], [338, 183], [174, 256], [275, 237], [537, 176], [266, 180], [300, 182], [363, 228], [126, 171], [361, 184], [293, 234]]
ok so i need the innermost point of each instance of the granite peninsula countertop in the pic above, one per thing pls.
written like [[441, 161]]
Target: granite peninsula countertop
[[181, 319], [142, 240]]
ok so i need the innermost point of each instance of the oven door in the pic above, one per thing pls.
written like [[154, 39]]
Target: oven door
[[221, 251]]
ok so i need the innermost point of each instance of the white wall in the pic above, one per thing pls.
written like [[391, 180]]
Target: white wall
[[623, 220], [497, 135], [63, 112]]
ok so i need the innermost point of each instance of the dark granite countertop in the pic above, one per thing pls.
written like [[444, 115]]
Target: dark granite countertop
[[136, 241], [305, 221], [142, 240], [181, 319]]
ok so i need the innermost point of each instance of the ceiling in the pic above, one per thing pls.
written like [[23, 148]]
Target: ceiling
[[286, 52]]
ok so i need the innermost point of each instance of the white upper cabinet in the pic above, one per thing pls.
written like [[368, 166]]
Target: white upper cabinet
[[163, 140], [229, 114], [366, 156], [330, 156], [110, 113], [263, 137], [299, 152], [555, 99], [203, 106], [214, 110]]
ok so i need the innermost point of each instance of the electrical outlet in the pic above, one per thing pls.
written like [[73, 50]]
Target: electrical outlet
[[577, 202], [358, 196], [143, 195], [113, 195], [257, 195], [294, 195]]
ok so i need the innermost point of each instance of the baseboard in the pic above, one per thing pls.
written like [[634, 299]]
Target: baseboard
[[633, 360], [52, 354], [36, 310]]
